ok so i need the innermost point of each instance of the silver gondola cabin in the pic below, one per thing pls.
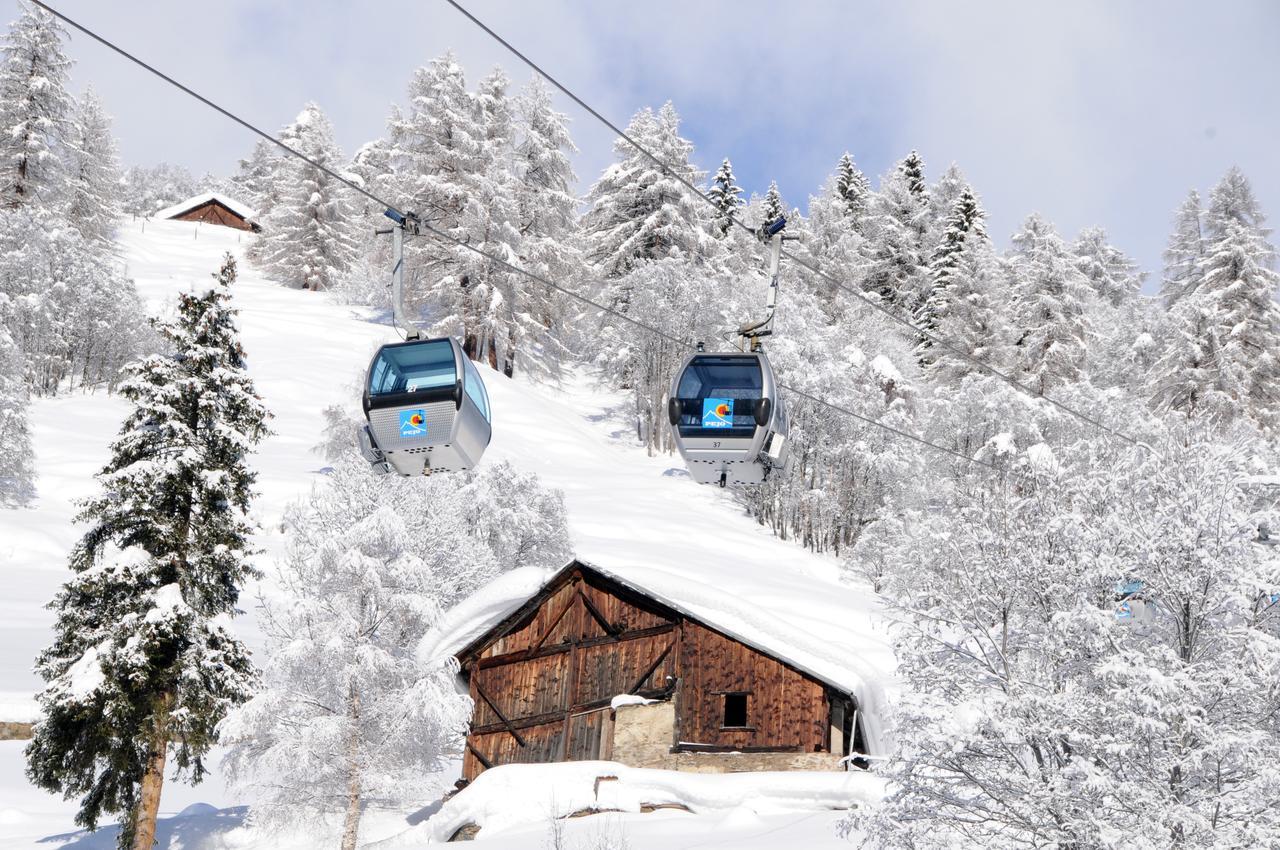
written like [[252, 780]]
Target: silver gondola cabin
[[427, 409], [728, 419]]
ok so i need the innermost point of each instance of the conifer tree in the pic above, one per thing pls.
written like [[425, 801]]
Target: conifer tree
[[17, 467], [254, 182], [852, 187], [772, 208], [964, 228], [892, 258], [638, 212], [307, 236], [1049, 318], [547, 210], [911, 168], [1114, 278], [94, 171], [34, 110], [142, 662], [1185, 253], [726, 193]]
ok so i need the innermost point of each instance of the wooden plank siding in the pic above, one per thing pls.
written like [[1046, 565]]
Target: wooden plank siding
[[542, 679]]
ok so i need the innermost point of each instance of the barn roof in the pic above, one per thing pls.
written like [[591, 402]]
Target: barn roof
[[773, 632], [200, 200]]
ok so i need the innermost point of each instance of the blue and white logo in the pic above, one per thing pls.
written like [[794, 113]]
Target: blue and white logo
[[717, 413], [413, 423]]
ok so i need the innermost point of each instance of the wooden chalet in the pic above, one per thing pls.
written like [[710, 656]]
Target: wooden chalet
[[544, 681], [212, 208]]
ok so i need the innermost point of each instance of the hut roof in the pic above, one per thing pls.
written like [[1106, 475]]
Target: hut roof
[[200, 200]]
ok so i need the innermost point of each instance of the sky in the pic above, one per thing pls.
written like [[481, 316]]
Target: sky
[[1090, 113]]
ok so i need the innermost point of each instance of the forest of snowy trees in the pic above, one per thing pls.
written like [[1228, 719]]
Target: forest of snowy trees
[[1088, 624]]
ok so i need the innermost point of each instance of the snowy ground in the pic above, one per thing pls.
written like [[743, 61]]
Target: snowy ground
[[638, 516]]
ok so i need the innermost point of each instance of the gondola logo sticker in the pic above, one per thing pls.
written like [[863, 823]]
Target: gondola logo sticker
[[413, 423], [717, 413]]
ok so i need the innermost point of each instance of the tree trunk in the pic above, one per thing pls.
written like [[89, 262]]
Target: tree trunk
[[351, 826], [144, 816]]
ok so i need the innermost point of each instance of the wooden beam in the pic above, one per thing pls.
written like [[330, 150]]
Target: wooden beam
[[551, 628], [556, 716], [596, 615], [649, 670], [479, 756], [507, 723], [555, 649]]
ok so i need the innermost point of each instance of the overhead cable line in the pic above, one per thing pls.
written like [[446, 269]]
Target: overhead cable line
[[874, 303], [461, 243]]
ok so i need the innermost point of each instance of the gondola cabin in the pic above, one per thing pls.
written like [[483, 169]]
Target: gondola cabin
[[427, 409], [591, 667], [727, 418]]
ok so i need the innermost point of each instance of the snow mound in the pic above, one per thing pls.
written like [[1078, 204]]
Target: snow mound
[[516, 796]]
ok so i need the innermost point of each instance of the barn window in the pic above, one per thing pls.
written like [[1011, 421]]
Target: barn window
[[735, 711]]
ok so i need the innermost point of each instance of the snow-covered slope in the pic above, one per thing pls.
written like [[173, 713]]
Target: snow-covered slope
[[638, 517]]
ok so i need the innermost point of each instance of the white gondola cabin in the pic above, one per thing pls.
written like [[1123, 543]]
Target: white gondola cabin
[[727, 418], [427, 409]]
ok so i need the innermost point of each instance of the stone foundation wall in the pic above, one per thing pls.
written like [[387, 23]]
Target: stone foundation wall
[[643, 736]]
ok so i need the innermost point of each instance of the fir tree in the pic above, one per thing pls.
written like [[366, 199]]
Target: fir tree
[[1049, 318], [547, 210], [911, 169], [307, 237], [1185, 253], [34, 111], [1113, 277], [726, 193], [892, 261], [17, 466], [852, 187], [772, 208], [142, 662], [638, 212], [94, 172], [255, 181], [964, 228]]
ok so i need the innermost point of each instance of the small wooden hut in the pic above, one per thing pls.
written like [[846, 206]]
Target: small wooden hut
[[591, 667], [212, 208]]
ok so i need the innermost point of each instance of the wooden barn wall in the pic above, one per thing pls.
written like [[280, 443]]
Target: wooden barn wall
[[785, 709], [214, 214], [542, 691]]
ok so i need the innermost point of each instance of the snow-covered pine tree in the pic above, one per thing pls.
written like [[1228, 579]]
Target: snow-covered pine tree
[[148, 190], [346, 716], [637, 211], [94, 172], [892, 257], [726, 193], [491, 305], [547, 208], [1048, 312], [771, 208], [853, 188], [964, 230], [254, 181], [1185, 252], [34, 110], [436, 149], [307, 239], [1114, 278], [142, 661], [17, 463], [1223, 360], [911, 169]]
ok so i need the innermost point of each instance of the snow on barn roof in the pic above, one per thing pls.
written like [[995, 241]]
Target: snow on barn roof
[[202, 199], [852, 664]]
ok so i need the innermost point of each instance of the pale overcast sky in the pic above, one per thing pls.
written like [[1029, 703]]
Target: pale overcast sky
[[1088, 112]]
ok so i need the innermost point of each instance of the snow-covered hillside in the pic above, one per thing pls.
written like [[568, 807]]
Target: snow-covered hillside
[[639, 517]]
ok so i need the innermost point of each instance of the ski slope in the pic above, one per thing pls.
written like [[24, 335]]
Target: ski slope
[[637, 516]]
